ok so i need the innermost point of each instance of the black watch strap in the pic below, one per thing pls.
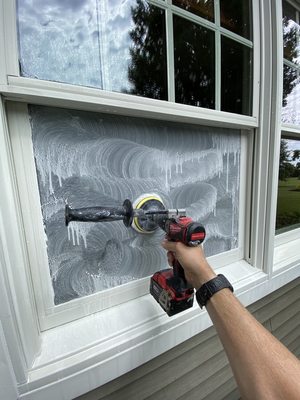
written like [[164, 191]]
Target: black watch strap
[[208, 289]]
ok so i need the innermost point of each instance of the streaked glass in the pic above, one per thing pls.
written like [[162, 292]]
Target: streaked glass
[[90, 159], [194, 60], [236, 77], [202, 8], [236, 16], [114, 45]]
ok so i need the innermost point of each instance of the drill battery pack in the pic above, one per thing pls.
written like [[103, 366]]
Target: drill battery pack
[[170, 292]]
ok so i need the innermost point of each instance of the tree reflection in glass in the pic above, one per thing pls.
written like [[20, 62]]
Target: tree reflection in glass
[[236, 16], [202, 8], [147, 71], [291, 67], [194, 60], [236, 77]]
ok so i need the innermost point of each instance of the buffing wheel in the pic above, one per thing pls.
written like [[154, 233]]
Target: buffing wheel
[[146, 202]]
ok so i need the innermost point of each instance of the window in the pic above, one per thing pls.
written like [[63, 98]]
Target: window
[[288, 203], [291, 67], [190, 52], [153, 76]]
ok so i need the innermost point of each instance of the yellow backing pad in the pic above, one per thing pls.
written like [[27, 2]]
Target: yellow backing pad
[[138, 203]]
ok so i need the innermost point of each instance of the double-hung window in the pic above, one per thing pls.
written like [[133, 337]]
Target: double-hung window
[[188, 55], [103, 101], [288, 201]]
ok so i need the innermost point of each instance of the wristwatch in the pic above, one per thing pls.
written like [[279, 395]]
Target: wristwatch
[[208, 289]]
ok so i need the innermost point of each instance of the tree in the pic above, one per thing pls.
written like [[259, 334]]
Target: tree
[[147, 71], [286, 167]]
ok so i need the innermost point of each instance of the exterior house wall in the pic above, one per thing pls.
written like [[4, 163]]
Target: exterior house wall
[[198, 368]]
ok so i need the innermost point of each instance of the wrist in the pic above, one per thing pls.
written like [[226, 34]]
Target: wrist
[[205, 274]]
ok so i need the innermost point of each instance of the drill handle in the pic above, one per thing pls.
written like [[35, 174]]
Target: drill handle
[[178, 270], [179, 276]]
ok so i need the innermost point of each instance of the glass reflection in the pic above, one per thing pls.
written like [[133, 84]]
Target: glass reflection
[[194, 60], [236, 16], [288, 202], [291, 96], [291, 34], [202, 8], [236, 77], [94, 43]]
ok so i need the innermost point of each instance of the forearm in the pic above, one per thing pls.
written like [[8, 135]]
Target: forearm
[[262, 366], [264, 369]]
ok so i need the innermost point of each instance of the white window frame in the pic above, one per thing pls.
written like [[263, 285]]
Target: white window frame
[[76, 357], [286, 244]]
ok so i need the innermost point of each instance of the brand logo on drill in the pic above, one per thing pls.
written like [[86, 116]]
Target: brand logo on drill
[[175, 228]]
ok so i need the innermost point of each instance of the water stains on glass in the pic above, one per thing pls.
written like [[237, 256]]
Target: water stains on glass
[[194, 60], [236, 16], [111, 45], [92, 159], [236, 77], [202, 8]]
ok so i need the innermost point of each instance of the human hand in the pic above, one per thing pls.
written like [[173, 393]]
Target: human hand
[[197, 271]]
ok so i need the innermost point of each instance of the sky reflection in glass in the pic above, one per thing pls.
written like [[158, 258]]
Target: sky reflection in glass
[[86, 42]]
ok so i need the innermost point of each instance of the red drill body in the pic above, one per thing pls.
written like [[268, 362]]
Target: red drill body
[[169, 287]]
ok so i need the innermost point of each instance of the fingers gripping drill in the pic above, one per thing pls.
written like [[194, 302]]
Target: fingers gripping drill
[[169, 286]]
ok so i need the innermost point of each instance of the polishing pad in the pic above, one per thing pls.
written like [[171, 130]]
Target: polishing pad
[[146, 202]]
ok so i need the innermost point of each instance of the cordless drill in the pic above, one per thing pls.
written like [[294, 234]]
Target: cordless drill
[[169, 286]]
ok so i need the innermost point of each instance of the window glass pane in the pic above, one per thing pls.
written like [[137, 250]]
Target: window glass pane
[[113, 45], [202, 8], [291, 34], [291, 96], [194, 59], [236, 16], [288, 204], [93, 159], [236, 77]]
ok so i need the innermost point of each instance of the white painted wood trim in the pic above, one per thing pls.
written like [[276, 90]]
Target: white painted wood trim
[[82, 98], [286, 237], [14, 259], [72, 363], [292, 131], [8, 381], [10, 36], [256, 27], [275, 135]]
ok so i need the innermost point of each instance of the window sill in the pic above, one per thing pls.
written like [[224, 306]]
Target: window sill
[[286, 250], [87, 353]]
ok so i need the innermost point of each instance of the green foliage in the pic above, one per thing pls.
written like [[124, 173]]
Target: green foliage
[[288, 203], [286, 168]]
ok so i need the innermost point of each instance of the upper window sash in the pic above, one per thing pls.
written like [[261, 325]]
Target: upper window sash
[[12, 67]]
